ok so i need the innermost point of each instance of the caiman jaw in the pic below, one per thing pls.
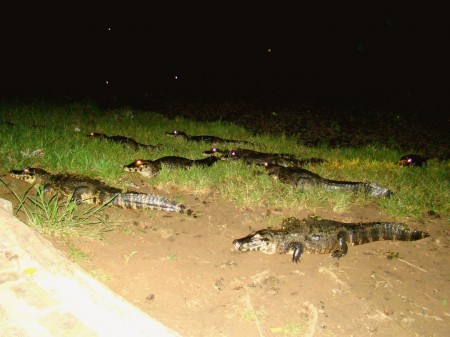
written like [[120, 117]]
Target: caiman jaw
[[136, 164], [142, 166], [25, 175], [255, 241]]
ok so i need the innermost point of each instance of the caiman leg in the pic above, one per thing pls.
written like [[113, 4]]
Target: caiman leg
[[77, 195], [47, 188], [343, 247], [297, 247]]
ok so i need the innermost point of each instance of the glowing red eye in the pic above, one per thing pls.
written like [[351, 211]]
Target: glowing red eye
[[233, 153], [138, 162], [175, 131], [410, 160], [214, 149]]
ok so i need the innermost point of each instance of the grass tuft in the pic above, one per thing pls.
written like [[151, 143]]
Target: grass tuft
[[52, 216]]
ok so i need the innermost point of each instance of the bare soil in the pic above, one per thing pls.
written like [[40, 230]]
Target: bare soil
[[182, 271]]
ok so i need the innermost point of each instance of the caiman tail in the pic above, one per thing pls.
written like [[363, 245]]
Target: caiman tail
[[376, 231], [133, 200], [360, 233], [371, 189], [302, 178], [148, 201]]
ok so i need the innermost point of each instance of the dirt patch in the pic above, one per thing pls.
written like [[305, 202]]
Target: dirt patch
[[183, 272]]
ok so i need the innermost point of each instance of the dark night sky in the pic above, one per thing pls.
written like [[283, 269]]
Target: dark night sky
[[76, 49]]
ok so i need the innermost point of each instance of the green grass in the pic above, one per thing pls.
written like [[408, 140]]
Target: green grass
[[251, 315], [100, 275], [54, 137], [75, 253], [289, 329], [51, 216]]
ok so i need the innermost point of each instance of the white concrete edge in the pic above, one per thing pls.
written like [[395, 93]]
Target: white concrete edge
[[101, 310]]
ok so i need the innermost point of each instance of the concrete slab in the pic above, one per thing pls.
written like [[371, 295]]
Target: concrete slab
[[43, 294]]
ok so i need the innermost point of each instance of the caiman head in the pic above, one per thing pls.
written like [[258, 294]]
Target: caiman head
[[28, 174], [234, 155], [142, 166], [272, 169], [216, 152], [262, 240], [177, 134], [96, 135], [412, 160]]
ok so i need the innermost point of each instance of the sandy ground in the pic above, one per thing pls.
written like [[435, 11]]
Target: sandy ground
[[183, 272]]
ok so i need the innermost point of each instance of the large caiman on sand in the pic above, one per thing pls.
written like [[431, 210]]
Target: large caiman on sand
[[321, 236]]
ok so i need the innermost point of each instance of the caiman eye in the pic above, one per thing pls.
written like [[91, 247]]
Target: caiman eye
[[410, 160], [262, 242], [138, 162], [233, 153], [175, 132], [260, 237], [214, 149], [266, 164], [26, 170]]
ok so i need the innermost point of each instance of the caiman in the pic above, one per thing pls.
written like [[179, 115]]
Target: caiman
[[302, 178], [125, 140], [285, 160], [207, 139], [226, 154], [260, 158], [152, 167], [93, 191], [316, 236], [412, 160]]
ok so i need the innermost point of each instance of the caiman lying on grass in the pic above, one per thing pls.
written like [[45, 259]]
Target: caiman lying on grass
[[316, 236], [92, 191], [241, 153], [412, 160], [125, 140], [208, 139], [152, 167], [301, 177], [260, 158]]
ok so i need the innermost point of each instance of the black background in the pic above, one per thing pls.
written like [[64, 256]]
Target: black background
[[316, 48]]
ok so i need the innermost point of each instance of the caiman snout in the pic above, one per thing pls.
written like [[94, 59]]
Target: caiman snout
[[237, 245], [259, 240]]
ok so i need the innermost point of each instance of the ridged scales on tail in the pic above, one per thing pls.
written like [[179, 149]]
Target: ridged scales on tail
[[129, 200], [302, 178], [316, 236], [93, 191]]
